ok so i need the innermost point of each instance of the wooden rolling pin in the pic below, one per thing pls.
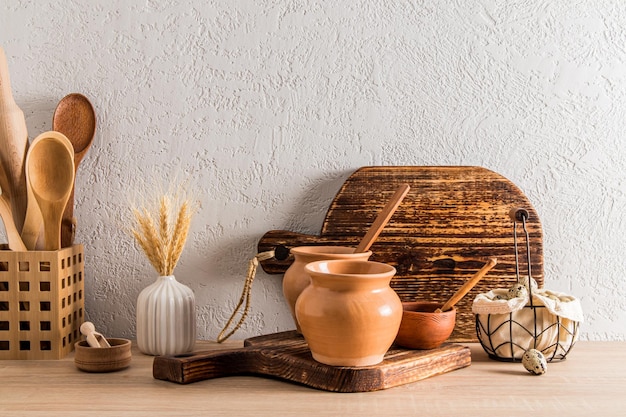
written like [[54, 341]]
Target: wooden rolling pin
[[13, 147]]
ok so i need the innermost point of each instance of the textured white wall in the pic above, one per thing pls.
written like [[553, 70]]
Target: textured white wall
[[268, 106]]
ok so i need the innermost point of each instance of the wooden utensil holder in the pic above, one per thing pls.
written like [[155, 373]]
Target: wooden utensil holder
[[41, 302]]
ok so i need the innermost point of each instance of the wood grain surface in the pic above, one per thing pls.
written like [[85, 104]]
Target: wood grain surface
[[286, 356], [452, 220], [590, 382]]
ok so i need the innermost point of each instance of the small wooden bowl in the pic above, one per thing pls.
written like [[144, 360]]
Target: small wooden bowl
[[422, 328], [115, 358]]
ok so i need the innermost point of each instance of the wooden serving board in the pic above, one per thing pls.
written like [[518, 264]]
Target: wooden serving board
[[286, 356], [450, 222]]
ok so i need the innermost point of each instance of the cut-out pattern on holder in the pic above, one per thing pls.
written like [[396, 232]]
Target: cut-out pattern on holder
[[41, 302]]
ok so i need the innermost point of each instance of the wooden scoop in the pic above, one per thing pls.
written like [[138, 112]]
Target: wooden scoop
[[382, 219], [50, 176], [76, 119], [94, 339], [471, 283]]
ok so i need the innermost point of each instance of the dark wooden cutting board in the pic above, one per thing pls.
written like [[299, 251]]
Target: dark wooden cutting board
[[286, 356], [451, 221]]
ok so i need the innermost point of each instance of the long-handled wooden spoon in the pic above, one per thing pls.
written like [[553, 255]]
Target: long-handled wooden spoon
[[382, 219], [75, 117], [465, 288], [50, 175], [33, 223], [13, 236]]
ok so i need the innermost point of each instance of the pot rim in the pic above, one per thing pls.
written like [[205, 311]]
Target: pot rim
[[326, 250], [381, 270], [116, 343], [409, 307]]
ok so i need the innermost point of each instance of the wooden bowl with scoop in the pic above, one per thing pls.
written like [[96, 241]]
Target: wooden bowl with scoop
[[427, 325], [97, 354], [104, 359]]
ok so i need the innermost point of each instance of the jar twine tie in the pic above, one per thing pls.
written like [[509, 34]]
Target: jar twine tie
[[245, 296]]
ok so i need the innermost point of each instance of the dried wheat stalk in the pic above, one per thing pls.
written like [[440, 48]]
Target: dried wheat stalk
[[161, 240]]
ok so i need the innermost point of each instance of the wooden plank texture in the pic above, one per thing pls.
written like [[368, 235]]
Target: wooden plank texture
[[286, 356], [452, 220]]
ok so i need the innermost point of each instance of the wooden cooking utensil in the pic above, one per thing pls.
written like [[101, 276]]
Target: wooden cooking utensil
[[15, 241], [93, 338], [13, 146], [465, 288], [382, 219], [75, 117], [33, 223], [50, 174]]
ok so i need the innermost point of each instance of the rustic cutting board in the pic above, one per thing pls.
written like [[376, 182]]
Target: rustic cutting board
[[450, 222], [286, 356]]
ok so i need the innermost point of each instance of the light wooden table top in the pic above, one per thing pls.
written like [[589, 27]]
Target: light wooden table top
[[591, 382]]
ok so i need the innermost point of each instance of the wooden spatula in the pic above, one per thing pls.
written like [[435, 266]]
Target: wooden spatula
[[382, 219], [465, 288]]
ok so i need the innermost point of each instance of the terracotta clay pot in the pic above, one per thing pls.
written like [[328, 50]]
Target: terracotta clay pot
[[349, 315], [422, 328], [296, 279]]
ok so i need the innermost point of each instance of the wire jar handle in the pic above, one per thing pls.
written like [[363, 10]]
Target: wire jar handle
[[521, 215]]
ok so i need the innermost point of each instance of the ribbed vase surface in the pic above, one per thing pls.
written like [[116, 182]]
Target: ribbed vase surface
[[166, 318]]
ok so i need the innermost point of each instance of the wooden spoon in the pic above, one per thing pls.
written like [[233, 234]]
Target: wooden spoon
[[15, 241], [465, 288], [75, 117], [33, 223], [50, 175], [382, 219]]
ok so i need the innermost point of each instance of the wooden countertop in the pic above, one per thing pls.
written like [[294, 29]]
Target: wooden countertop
[[592, 381]]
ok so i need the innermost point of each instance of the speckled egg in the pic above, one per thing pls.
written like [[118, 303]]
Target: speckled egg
[[535, 362], [533, 283], [517, 290]]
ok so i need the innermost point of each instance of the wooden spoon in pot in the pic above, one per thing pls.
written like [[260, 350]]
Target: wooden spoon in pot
[[75, 117], [13, 236], [382, 219], [50, 175], [33, 223], [465, 288]]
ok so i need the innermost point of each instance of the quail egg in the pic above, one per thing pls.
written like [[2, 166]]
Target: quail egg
[[533, 283], [534, 362], [517, 290]]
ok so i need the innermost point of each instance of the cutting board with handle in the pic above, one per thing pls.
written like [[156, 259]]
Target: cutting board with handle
[[286, 356], [452, 220]]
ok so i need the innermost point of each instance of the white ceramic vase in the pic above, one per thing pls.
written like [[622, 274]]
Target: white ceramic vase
[[166, 318]]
